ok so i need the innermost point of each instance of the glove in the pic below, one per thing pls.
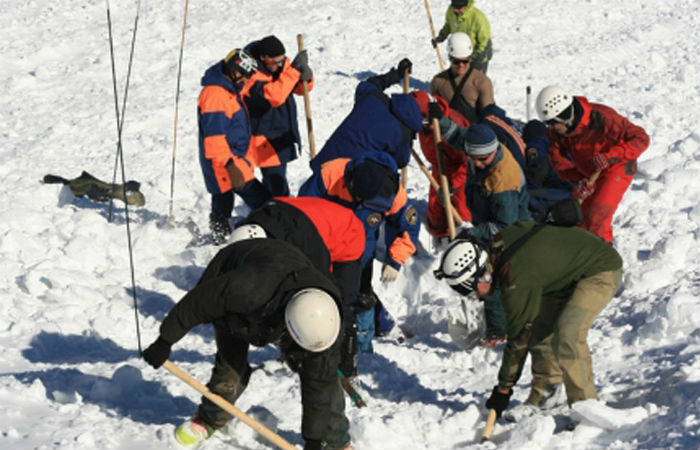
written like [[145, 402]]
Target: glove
[[313, 444], [600, 161], [434, 111], [498, 401], [434, 42], [365, 301], [307, 74], [301, 60], [583, 189], [538, 170], [389, 274], [157, 353], [405, 64]]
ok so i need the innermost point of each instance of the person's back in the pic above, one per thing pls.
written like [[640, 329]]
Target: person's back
[[377, 122]]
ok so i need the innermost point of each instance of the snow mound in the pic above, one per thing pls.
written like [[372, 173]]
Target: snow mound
[[594, 412]]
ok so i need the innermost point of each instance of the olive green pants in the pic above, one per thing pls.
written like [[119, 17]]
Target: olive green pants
[[558, 345]]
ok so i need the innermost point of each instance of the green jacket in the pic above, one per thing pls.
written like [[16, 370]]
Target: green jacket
[[549, 264], [473, 22]]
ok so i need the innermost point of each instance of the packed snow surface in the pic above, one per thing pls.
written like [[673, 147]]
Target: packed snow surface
[[70, 375]]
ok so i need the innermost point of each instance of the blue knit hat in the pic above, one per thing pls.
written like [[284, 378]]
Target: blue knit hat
[[367, 179], [480, 140]]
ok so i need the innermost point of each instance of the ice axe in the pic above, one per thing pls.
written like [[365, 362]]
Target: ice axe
[[229, 408]]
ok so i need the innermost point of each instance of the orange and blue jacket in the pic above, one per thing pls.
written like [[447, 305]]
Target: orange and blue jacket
[[224, 130], [273, 114], [601, 130], [402, 222]]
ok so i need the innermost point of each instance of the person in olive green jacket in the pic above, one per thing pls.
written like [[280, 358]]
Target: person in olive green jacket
[[552, 288], [463, 16]]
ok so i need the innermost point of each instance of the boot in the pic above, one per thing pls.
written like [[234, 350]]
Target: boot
[[193, 432]]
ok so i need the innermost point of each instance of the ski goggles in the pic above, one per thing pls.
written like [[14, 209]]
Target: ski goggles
[[566, 117]]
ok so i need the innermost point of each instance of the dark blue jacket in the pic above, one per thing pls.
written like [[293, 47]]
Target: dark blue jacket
[[402, 220], [376, 122]]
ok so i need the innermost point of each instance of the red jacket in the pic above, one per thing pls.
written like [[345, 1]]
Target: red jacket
[[601, 130], [340, 229]]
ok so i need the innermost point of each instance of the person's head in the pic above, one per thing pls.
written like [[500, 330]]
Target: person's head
[[239, 65], [555, 107], [459, 50], [271, 52], [248, 231], [459, 5], [464, 266], [423, 99], [370, 179], [312, 319], [481, 145]]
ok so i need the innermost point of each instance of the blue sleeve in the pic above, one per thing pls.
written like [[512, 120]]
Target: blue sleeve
[[238, 134], [405, 220], [507, 209], [313, 187]]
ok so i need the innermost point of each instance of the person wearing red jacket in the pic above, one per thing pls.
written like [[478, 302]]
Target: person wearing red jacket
[[333, 239], [455, 165], [272, 108], [594, 148]]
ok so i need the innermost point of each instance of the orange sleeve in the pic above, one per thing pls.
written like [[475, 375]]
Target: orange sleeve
[[402, 248]]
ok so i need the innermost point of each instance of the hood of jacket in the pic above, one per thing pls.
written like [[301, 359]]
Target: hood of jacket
[[214, 76], [406, 109]]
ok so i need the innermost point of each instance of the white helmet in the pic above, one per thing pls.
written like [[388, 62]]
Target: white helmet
[[248, 231], [313, 319], [239, 60], [552, 101], [462, 264], [459, 45]]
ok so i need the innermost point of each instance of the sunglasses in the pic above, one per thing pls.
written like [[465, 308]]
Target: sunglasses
[[459, 62], [566, 117], [272, 61]]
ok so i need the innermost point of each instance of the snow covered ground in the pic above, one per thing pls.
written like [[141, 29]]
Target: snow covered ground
[[70, 376]]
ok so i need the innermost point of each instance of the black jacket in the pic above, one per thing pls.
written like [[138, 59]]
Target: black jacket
[[246, 288]]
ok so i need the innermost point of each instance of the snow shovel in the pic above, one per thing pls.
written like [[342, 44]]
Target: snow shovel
[[229, 408]]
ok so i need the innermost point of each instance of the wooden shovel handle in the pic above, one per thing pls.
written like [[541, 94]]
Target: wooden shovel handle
[[229, 408]]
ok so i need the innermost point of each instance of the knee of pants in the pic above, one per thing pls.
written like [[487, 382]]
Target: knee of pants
[[565, 343]]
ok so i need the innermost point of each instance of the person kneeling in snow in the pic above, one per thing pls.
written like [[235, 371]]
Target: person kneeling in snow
[[554, 281], [256, 292]]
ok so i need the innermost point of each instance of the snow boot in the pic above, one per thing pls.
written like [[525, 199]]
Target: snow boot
[[519, 412], [193, 432]]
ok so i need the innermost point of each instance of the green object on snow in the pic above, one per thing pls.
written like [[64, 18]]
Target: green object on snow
[[100, 191]]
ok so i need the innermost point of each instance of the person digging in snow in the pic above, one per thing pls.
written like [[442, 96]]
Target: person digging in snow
[[331, 236], [463, 16], [257, 292], [554, 281], [369, 185], [586, 139]]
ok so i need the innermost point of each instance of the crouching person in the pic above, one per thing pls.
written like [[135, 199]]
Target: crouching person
[[554, 281], [256, 292]]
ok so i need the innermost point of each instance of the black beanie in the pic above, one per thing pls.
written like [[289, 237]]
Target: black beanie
[[459, 3], [270, 46], [367, 179], [534, 130]]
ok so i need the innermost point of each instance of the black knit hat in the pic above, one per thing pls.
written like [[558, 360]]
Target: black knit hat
[[459, 3], [270, 46], [367, 179]]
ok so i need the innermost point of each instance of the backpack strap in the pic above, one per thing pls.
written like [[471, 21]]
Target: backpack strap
[[508, 253], [458, 102]]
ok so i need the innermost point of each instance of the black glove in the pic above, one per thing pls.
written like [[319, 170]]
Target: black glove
[[498, 401], [157, 353], [365, 301], [313, 444], [405, 64], [434, 42], [538, 170], [434, 111], [301, 61]]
